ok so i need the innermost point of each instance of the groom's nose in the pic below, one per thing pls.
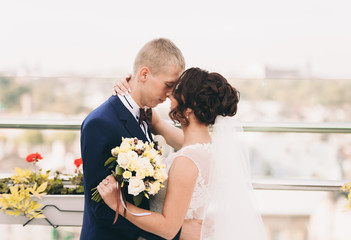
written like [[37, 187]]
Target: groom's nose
[[169, 93]]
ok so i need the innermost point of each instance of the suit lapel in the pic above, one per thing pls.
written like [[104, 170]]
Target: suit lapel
[[134, 129], [130, 123]]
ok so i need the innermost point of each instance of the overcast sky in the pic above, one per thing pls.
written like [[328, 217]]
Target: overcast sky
[[232, 37]]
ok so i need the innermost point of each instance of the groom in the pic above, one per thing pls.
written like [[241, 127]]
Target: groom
[[157, 68]]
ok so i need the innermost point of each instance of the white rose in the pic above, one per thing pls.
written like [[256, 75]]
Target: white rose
[[123, 160], [140, 145], [140, 174], [149, 170], [135, 186], [131, 155], [144, 163], [133, 165], [158, 160]]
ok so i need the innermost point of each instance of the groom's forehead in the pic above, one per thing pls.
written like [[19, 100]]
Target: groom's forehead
[[169, 78]]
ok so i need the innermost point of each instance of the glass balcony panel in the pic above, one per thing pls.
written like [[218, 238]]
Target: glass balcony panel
[[287, 215], [300, 155], [59, 149]]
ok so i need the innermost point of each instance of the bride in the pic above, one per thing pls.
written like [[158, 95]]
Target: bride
[[208, 178]]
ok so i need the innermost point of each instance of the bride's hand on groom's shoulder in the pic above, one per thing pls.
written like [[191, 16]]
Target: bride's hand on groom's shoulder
[[191, 230], [108, 191], [121, 86]]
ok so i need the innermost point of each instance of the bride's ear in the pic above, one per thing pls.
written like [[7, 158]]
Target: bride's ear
[[187, 112]]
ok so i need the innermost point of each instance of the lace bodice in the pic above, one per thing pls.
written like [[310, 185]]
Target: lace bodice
[[200, 154]]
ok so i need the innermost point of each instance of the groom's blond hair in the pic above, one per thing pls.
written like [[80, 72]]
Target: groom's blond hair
[[157, 55]]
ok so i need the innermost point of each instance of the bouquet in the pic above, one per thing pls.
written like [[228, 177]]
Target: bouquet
[[137, 167]]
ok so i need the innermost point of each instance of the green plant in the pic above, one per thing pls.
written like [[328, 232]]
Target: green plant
[[21, 200], [20, 192]]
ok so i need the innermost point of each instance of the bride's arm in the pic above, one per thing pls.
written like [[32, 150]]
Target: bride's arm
[[174, 136], [181, 182]]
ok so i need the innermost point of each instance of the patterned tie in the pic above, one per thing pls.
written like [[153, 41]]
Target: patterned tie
[[145, 116]]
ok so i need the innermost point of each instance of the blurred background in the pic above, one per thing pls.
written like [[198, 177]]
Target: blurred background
[[290, 60]]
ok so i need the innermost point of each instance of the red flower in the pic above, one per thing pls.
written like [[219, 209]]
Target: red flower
[[34, 157], [78, 162]]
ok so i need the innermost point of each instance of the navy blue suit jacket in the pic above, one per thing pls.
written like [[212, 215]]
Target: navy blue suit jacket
[[101, 131]]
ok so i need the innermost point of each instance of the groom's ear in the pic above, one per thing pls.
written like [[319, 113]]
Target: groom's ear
[[143, 73]]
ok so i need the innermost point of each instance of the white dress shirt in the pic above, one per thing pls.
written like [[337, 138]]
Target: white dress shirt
[[133, 107]]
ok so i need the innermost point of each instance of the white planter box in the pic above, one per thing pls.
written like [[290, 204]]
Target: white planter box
[[71, 214]]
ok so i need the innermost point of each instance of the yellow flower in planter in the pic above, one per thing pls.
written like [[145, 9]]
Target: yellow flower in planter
[[20, 192], [22, 175], [347, 188], [21, 201], [38, 192]]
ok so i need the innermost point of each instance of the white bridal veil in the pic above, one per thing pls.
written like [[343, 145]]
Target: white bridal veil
[[232, 212]]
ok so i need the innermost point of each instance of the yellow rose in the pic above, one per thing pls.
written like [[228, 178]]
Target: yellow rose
[[146, 146], [125, 146], [150, 153], [153, 188], [127, 174], [160, 174]]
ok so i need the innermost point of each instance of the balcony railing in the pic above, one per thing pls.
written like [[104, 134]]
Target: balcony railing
[[248, 127], [259, 184]]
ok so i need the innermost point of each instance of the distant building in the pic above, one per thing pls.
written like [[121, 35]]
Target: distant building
[[272, 73], [262, 71]]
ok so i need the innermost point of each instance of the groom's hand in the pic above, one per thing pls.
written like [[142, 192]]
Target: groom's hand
[[191, 230]]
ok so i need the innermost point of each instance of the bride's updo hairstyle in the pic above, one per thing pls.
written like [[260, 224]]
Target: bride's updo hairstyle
[[207, 94]]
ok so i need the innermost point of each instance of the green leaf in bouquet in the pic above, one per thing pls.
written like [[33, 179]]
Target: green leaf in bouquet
[[119, 170], [111, 167], [137, 199], [110, 160]]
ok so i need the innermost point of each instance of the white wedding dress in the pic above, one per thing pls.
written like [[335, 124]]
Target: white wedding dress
[[200, 154], [223, 196]]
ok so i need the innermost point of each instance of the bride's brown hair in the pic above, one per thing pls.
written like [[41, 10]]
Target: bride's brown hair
[[207, 94]]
